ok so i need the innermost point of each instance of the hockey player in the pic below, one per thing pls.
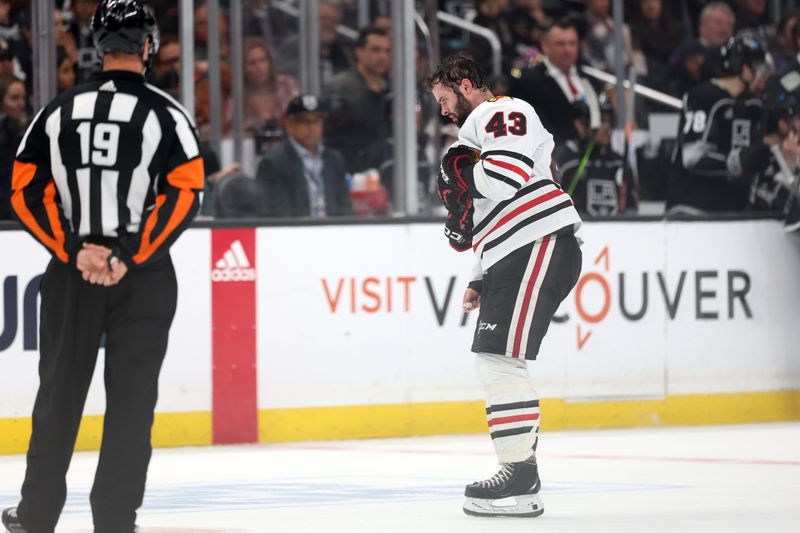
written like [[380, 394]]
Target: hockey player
[[773, 164], [503, 204], [106, 178], [718, 119], [592, 173]]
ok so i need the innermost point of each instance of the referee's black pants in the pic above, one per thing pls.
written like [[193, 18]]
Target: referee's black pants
[[135, 315]]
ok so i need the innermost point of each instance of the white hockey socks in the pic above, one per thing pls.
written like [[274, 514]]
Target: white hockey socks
[[512, 405]]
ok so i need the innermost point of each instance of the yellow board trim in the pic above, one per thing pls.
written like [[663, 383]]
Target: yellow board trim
[[169, 429], [678, 410], [399, 420], [370, 421], [441, 418]]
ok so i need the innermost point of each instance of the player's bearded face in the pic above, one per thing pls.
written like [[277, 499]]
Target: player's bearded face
[[454, 104], [462, 109]]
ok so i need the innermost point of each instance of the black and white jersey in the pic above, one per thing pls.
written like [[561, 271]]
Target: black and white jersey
[[521, 202], [714, 126], [112, 158], [773, 188], [595, 176]]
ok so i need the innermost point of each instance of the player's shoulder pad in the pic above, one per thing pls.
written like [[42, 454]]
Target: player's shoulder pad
[[706, 95]]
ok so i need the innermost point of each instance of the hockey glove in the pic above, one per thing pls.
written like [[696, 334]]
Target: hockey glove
[[455, 177], [458, 227], [453, 199]]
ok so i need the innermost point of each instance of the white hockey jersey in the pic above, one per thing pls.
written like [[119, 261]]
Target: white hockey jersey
[[522, 202]]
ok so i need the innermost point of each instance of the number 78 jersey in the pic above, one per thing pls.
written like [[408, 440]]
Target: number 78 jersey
[[520, 201], [714, 128]]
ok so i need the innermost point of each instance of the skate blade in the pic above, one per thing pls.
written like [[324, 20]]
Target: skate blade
[[527, 506]]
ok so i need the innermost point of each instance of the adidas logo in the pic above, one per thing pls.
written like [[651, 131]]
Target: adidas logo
[[234, 265], [108, 86]]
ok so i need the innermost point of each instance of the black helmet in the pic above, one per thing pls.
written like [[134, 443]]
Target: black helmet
[[123, 26], [740, 51], [581, 111]]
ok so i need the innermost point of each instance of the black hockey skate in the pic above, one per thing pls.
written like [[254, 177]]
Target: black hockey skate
[[11, 521], [513, 491]]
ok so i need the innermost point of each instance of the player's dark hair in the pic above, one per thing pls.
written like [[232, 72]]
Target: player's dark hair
[[456, 68], [364, 34]]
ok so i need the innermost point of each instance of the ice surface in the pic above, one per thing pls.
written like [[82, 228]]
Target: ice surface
[[714, 479]]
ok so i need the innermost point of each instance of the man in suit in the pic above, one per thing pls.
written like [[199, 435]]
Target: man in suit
[[301, 177], [553, 85]]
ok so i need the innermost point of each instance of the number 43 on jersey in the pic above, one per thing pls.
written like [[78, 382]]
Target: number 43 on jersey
[[500, 125]]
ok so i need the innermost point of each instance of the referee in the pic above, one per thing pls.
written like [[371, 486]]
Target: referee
[[107, 177]]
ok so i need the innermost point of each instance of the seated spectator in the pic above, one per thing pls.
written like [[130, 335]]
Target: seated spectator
[[598, 44], [9, 28], [716, 24], [334, 54], [302, 177], [714, 29], [260, 19], [720, 118], [266, 94], [12, 128], [687, 69], [15, 33], [382, 22], [359, 124], [592, 173], [65, 77], [783, 47], [211, 165], [787, 79], [751, 15], [492, 15], [168, 15], [201, 32], [5, 17], [655, 33], [88, 61], [203, 98], [166, 71], [6, 60], [528, 21], [64, 38], [554, 84]]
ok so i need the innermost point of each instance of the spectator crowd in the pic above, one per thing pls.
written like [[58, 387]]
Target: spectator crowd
[[733, 63]]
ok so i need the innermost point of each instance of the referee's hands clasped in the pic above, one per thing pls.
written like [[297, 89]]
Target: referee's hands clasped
[[98, 266]]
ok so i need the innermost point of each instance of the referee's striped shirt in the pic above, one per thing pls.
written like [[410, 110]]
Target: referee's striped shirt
[[113, 158]]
